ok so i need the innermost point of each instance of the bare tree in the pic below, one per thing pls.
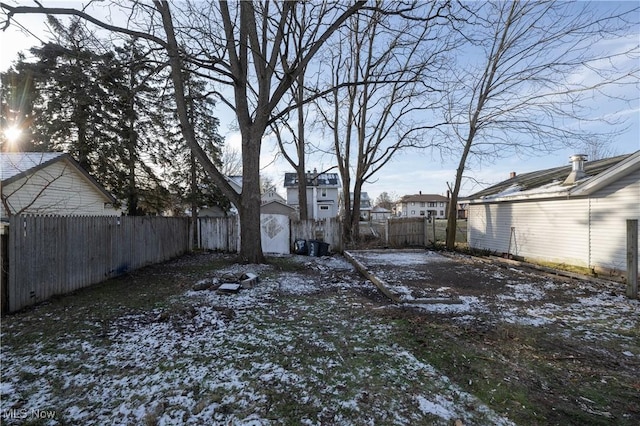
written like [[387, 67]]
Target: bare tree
[[242, 48], [303, 22], [383, 85], [386, 200], [538, 62], [231, 160]]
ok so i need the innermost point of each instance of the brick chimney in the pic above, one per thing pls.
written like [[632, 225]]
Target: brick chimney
[[512, 175]]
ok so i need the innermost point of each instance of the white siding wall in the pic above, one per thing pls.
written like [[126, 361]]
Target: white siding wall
[[610, 209], [588, 232], [57, 189], [292, 196], [414, 208], [552, 230], [333, 194]]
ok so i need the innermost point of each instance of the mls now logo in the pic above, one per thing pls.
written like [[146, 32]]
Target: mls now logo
[[23, 413]]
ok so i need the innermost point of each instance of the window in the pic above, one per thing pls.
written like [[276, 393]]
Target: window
[[441, 213], [413, 212], [413, 204], [422, 204], [432, 204], [421, 212], [323, 193], [441, 204]]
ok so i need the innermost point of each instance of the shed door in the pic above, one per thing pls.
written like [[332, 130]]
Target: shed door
[[274, 229]]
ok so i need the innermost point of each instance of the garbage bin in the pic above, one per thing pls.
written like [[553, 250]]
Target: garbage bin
[[301, 247], [318, 248]]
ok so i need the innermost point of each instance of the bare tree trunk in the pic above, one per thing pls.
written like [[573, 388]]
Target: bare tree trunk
[[452, 214], [302, 173], [249, 208], [194, 199]]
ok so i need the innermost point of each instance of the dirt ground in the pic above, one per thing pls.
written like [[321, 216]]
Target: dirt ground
[[569, 349], [316, 343]]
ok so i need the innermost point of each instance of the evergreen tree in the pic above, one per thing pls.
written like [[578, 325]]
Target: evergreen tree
[[71, 114], [140, 128], [188, 178], [17, 96]]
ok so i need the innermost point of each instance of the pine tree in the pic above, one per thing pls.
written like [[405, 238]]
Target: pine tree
[[185, 174]]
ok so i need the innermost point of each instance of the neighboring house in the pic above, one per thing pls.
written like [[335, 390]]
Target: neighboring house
[[50, 183], [573, 214], [323, 193], [278, 207], [266, 198], [462, 209], [422, 205], [235, 182], [270, 196], [365, 205], [380, 214]]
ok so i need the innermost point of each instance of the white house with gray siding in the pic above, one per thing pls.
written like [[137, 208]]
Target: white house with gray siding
[[323, 194], [574, 215], [50, 183]]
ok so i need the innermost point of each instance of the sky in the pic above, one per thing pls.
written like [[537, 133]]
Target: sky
[[408, 172]]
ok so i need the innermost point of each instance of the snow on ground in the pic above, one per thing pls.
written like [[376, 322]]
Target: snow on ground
[[245, 359], [296, 344], [598, 310]]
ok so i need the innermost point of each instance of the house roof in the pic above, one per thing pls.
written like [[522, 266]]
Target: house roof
[[235, 182], [313, 179], [549, 182], [16, 165], [278, 203], [422, 198], [363, 195]]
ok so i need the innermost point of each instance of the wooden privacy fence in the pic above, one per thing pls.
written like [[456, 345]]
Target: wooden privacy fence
[[422, 232], [219, 233], [51, 255], [223, 233], [327, 230]]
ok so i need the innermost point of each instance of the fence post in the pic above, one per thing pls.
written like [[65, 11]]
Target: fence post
[[632, 258], [386, 231], [425, 229]]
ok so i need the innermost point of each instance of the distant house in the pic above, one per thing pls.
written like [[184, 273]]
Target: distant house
[[422, 205], [380, 213], [365, 205], [323, 193], [270, 196], [50, 183], [462, 209], [278, 207], [573, 214]]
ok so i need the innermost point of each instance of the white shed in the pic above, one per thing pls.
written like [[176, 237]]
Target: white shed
[[50, 183], [574, 215]]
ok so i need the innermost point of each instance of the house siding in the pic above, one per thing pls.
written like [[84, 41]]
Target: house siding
[[589, 231], [550, 230], [66, 193], [331, 200], [610, 208]]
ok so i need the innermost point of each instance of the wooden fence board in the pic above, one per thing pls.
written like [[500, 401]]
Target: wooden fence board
[[57, 255]]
